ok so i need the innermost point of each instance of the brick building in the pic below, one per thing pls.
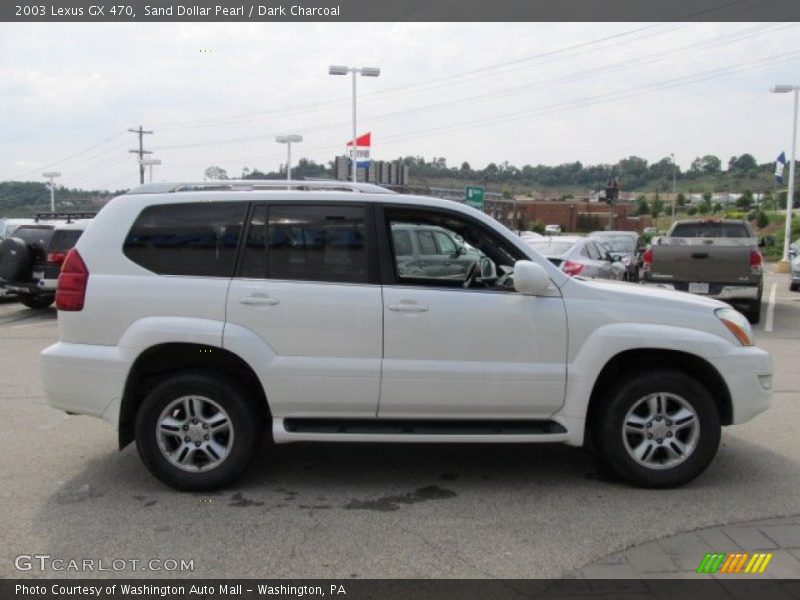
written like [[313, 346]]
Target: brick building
[[571, 215]]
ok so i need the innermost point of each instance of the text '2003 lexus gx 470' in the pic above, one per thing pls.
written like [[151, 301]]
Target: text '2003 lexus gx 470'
[[198, 318]]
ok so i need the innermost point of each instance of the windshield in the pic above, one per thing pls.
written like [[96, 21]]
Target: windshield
[[550, 247]]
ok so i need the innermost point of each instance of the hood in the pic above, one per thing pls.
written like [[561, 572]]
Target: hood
[[652, 296]]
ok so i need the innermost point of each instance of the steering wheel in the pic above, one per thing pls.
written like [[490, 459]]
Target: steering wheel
[[472, 274]]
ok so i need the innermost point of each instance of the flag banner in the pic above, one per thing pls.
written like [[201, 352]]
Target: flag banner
[[363, 145], [780, 163]]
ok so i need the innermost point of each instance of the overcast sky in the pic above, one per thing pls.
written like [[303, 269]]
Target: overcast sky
[[523, 92]]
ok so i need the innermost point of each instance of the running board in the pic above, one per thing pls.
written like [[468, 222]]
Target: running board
[[422, 427]]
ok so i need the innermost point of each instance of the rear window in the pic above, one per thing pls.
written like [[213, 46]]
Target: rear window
[[35, 235], [197, 239], [711, 230], [64, 239], [550, 248]]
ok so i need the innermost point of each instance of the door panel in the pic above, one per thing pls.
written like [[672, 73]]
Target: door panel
[[472, 354]]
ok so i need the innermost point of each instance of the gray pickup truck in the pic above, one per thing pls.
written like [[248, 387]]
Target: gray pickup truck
[[718, 258]]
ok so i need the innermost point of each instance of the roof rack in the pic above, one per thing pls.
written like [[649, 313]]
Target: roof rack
[[246, 185], [69, 216]]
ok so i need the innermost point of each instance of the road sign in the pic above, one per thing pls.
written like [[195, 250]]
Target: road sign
[[473, 196]]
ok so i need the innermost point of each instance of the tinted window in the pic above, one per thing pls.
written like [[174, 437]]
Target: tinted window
[[310, 243], [196, 239], [711, 230], [446, 245], [34, 236], [402, 242], [64, 239], [426, 243]]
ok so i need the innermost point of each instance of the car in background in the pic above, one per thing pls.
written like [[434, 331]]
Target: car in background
[[31, 259], [429, 251], [794, 282], [527, 235], [552, 229], [9, 226], [794, 249], [626, 247], [582, 256]]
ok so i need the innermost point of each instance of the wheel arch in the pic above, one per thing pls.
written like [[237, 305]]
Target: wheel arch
[[647, 358], [159, 360]]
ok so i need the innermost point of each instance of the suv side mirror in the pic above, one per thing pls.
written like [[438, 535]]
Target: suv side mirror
[[529, 278]]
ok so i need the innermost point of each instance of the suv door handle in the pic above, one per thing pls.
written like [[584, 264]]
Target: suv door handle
[[257, 300], [409, 307]]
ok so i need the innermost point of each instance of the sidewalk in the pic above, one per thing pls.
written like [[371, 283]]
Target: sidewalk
[[680, 555]]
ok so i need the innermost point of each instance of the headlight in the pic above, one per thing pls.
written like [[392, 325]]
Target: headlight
[[737, 324]]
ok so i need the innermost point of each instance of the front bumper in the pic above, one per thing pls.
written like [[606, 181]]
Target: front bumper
[[747, 371]]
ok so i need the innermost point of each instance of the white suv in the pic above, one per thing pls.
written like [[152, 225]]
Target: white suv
[[196, 318]]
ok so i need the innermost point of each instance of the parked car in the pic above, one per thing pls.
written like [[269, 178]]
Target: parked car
[[199, 317], [718, 258], [794, 282], [530, 235], [30, 260], [582, 256], [552, 229], [9, 226], [626, 247], [794, 249], [428, 251]]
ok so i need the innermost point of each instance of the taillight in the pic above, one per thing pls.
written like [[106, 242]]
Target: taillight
[[572, 268], [72, 281], [755, 262], [647, 259], [56, 257]]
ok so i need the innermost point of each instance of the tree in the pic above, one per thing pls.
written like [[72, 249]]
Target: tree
[[681, 199], [707, 196], [642, 208], [745, 200], [704, 208], [717, 208], [762, 220], [743, 163], [657, 207]]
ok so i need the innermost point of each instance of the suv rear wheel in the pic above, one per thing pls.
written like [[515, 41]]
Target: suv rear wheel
[[658, 430], [197, 432]]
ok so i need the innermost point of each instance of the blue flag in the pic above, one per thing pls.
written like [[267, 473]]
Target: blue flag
[[780, 163]]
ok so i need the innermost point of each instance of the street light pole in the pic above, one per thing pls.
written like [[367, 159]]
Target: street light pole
[[288, 139], [365, 72], [51, 175], [674, 186], [149, 162], [787, 237]]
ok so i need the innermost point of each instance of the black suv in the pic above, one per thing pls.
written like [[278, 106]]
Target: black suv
[[30, 260]]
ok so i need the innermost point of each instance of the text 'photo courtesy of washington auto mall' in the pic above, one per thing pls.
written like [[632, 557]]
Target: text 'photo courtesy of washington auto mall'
[[399, 304]]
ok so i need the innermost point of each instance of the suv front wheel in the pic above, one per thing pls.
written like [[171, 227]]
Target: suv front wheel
[[660, 429], [196, 431]]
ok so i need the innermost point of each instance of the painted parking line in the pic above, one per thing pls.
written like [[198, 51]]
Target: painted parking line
[[771, 308]]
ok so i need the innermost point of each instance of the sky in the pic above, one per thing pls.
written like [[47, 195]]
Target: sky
[[527, 93]]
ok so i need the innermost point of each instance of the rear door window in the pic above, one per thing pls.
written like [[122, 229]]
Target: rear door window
[[195, 239], [307, 243]]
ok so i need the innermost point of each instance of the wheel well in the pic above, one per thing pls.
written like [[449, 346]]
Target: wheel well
[[156, 362], [646, 358]]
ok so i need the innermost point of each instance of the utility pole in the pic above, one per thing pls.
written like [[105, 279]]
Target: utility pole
[[141, 151]]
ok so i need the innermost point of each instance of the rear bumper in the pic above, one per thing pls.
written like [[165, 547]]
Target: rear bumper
[[724, 292], [748, 373], [84, 379]]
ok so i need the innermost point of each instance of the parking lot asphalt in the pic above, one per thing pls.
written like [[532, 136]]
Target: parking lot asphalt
[[362, 511]]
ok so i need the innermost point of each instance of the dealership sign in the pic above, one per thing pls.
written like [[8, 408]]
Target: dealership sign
[[363, 143]]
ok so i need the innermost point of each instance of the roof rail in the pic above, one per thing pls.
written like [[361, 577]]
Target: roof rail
[[69, 216], [246, 185]]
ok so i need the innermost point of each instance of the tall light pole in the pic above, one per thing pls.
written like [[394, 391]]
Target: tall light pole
[[51, 175], [150, 162], [288, 140], [674, 185], [365, 72], [787, 237]]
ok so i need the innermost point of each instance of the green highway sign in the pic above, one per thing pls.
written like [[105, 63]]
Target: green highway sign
[[473, 196]]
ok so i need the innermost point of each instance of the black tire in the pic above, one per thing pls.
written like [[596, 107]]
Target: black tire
[[609, 418], [246, 418], [793, 287], [753, 312], [36, 302], [15, 260]]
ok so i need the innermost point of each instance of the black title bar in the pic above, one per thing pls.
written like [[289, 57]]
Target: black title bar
[[399, 10]]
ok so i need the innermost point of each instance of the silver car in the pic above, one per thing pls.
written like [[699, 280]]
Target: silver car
[[586, 257]]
